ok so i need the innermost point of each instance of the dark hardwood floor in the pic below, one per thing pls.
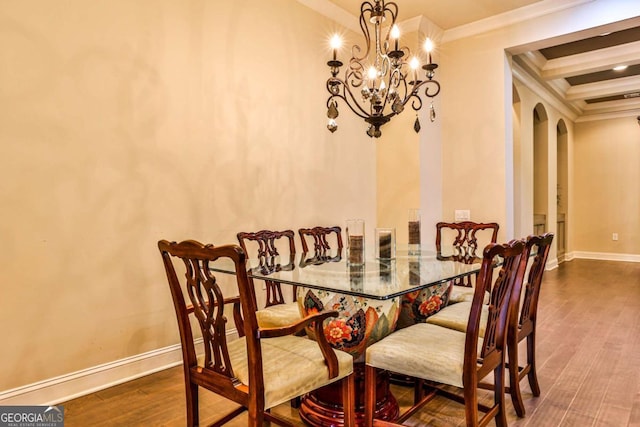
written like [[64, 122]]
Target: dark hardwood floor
[[588, 355]]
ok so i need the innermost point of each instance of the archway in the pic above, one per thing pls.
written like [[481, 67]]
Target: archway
[[562, 187], [540, 169], [517, 163]]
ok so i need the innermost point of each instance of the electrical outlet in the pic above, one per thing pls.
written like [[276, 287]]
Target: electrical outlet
[[462, 215], [614, 237]]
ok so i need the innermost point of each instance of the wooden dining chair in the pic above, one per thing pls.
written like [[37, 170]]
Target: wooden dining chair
[[442, 356], [325, 240], [463, 237], [262, 368], [268, 247], [522, 325]]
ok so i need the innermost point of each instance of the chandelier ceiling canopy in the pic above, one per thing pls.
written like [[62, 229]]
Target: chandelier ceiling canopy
[[380, 79]]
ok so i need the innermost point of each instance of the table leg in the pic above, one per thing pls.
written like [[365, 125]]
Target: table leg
[[323, 407]]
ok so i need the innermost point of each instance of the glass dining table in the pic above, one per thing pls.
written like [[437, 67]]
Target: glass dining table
[[372, 299]]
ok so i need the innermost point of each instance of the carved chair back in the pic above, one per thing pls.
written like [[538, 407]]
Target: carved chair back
[[272, 247], [529, 309], [508, 280], [325, 239], [200, 296], [464, 237]]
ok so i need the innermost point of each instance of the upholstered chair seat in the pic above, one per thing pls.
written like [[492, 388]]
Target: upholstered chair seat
[[404, 352], [279, 315], [299, 355], [456, 317], [464, 294]]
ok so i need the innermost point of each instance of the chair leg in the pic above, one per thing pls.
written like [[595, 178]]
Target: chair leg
[[514, 376], [498, 397], [295, 402], [369, 394], [193, 415], [531, 360], [349, 400], [471, 405]]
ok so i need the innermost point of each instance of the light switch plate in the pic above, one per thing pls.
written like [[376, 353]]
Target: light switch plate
[[462, 215]]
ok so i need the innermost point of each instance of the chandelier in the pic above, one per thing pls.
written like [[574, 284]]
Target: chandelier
[[380, 81]]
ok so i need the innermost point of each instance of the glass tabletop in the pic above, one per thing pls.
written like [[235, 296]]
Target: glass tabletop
[[376, 279]]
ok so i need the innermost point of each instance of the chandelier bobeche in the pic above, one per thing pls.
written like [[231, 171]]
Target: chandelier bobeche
[[376, 85]]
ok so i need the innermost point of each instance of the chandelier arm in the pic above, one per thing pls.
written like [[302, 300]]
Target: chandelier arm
[[426, 90], [416, 106], [394, 15], [357, 113], [365, 7], [354, 73], [362, 113]]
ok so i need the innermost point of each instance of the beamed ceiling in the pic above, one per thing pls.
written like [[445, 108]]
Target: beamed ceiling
[[583, 72]]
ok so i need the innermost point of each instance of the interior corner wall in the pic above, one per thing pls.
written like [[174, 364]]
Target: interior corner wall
[[129, 122], [409, 165], [473, 130], [398, 173]]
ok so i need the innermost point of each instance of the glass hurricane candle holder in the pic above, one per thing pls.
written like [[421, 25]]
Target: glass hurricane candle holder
[[414, 231], [385, 241], [355, 241]]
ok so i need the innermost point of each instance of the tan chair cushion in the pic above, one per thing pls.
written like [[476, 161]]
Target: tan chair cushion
[[423, 350], [456, 317], [292, 366], [278, 315], [465, 294]]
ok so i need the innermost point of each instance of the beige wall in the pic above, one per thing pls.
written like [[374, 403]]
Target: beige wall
[[607, 186], [398, 166], [473, 130], [126, 122]]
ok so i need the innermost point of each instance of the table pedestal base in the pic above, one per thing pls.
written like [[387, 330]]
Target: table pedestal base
[[323, 407]]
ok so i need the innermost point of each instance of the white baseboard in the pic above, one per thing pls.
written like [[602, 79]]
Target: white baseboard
[[60, 389], [70, 386], [605, 256]]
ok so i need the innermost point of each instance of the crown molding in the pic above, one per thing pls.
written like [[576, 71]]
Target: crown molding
[[522, 14], [545, 93], [587, 117]]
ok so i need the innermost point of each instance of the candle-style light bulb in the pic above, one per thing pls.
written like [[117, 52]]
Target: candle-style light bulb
[[414, 63], [372, 73], [335, 43], [395, 35], [428, 47]]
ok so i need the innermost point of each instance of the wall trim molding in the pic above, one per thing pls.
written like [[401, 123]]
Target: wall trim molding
[[63, 388], [69, 386], [606, 256]]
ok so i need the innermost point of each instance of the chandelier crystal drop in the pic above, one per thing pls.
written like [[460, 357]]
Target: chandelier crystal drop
[[380, 79]]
